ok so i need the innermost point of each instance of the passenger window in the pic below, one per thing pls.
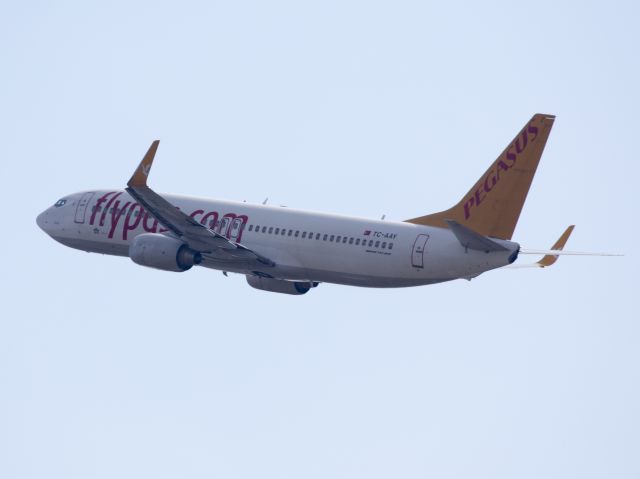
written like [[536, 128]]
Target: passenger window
[[370, 243], [277, 231], [331, 237], [344, 240], [390, 245], [250, 227], [290, 232], [264, 229], [283, 232], [338, 239], [350, 240], [377, 243], [384, 245], [257, 227], [324, 238], [317, 236], [304, 234], [297, 233], [357, 241], [270, 229]]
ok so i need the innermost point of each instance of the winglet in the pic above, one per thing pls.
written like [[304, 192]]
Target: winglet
[[549, 259], [139, 178]]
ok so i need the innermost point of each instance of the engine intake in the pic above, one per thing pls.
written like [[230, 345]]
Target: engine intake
[[158, 251], [278, 285]]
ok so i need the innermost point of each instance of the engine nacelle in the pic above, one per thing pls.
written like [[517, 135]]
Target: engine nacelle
[[162, 252], [278, 285]]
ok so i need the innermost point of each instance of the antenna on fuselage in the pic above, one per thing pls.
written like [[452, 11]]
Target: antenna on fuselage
[[265, 200]]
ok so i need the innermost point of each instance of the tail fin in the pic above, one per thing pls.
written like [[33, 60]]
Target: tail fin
[[493, 205]]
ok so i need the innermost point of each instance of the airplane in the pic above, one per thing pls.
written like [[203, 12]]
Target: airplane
[[291, 251]]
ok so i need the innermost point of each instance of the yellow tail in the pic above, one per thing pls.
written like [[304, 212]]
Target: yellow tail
[[493, 205]]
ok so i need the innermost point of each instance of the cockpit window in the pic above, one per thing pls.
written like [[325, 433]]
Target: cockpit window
[[60, 203]]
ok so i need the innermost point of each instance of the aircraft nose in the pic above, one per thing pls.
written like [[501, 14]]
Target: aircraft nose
[[42, 220]]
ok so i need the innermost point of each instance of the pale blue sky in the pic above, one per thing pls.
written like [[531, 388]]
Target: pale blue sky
[[111, 370]]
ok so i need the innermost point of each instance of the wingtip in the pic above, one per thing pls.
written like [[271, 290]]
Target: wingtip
[[139, 177]]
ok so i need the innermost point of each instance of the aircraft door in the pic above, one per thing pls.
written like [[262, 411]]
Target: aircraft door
[[417, 254], [81, 209]]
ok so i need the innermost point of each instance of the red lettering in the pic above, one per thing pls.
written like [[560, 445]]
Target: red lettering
[[467, 207], [154, 226], [196, 213], [211, 214], [99, 202], [524, 142], [106, 208], [116, 215], [529, 133], [502, 166], [132, 225], [511, 157], [494, 179], [478, 197], [231, 225], [237, 227]]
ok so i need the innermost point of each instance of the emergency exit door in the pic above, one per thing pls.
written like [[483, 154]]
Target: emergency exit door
[[81, 209], [417, 255]]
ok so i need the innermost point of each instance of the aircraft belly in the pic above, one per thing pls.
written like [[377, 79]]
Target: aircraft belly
[[94, 246]]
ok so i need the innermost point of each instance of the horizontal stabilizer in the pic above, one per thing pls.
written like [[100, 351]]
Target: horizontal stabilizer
[[472, 240], [558, 252], [551, 255]]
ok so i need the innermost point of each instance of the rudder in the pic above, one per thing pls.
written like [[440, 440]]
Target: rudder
[[493, 205]]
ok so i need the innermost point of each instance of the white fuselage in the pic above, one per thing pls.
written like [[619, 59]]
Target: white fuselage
[[304, 246]]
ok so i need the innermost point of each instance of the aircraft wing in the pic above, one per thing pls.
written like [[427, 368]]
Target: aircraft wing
[[197, 236]]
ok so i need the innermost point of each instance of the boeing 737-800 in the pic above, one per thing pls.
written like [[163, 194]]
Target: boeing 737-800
[[291, 251]]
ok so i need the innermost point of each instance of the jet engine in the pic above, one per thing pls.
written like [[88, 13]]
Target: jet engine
[[162, 252], [278, 285]]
